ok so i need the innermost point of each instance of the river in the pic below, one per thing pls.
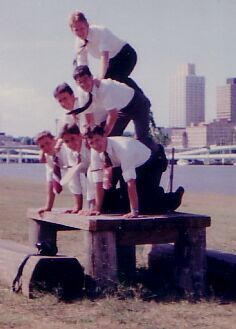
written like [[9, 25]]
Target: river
[[212, 179]]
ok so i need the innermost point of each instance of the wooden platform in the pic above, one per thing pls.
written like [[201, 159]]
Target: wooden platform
[[111, 240]]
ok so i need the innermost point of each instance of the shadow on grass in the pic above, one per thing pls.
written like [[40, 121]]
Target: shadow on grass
[[156, 283], [149, 285]]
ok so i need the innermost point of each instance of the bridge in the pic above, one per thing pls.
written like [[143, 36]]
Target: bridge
[[19, 154], [221, 153]]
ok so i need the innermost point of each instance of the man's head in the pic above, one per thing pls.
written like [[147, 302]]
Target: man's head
[[79, 25], [83, 77], [46, 142], [96, 139], [72, 137], [65, 96]]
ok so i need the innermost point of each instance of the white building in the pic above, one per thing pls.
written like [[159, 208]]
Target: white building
[[217, 132], [226, 100], [187, 97]]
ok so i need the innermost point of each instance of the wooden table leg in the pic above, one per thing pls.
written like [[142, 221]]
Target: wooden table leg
[[101, 262], [190, 255], [41, 231]]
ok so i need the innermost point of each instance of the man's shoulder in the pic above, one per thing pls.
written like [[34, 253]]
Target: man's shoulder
[[109, 83], [97, 28]]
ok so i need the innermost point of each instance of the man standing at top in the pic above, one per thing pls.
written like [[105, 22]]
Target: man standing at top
[[117, 57]]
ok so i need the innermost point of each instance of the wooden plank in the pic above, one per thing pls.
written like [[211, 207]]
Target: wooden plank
[[75, 221], [147, 237], [116, 222]]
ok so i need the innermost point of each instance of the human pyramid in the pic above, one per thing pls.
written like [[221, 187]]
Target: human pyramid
[[121, 174]]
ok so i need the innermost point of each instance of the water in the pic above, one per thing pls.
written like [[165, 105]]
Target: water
[[200, 179], [204, 179]]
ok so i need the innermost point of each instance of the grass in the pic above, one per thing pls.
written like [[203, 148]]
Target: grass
[[125, 310]]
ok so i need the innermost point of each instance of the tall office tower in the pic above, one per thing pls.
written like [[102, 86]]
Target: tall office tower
[[226, 100], [187, 97]]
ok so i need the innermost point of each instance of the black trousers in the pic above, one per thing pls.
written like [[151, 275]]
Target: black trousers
[[138, 111], [121, 66], [152, 198], [116, 199]]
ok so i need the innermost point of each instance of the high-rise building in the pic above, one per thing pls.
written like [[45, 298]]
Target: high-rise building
[[187, 97], [226, 100]]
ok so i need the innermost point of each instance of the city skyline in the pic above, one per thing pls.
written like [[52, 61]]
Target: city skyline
[[187, 97], [37, 50]]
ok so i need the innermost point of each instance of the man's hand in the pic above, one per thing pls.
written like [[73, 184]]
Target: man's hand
[[42, 210], [93, 213], [72, 211]]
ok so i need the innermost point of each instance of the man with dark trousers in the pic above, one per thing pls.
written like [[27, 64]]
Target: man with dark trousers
[[139, 171], [121, 104]]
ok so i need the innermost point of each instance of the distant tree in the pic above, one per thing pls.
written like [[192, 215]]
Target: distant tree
[[157, 133], [185, 140]]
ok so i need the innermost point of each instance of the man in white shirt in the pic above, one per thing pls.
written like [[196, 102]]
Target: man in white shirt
[[46, 141], [120, 104], [138, 168], [65, 96], [117, 57], [79, 155]]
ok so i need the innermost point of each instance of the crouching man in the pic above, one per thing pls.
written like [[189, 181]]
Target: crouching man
[[56, 166], [139, 169]]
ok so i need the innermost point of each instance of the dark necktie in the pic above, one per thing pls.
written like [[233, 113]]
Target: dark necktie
[[85, 43], [83, 108], [108, 162], [107, 172], [56, 176], [75, 63]]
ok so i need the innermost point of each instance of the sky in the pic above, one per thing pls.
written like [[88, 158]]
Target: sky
[[37, 50]]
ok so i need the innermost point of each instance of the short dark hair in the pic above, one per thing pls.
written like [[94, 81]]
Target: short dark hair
[[42, 134], [72, 129], [97, 130], [81, 70], [63, 88]]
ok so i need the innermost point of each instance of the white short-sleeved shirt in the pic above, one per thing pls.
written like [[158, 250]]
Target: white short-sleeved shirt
[[109, 95], [99, 39], [65, 161], [62, 161], [79, 119], [76, 183], [126, 152], [84, 155]]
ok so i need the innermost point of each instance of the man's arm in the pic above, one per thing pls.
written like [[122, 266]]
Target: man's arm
[[99, 195], [110, 121], [49, 200], [104, 61], [133, 199]]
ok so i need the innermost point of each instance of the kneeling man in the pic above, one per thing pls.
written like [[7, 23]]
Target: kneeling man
[[139, 169]]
